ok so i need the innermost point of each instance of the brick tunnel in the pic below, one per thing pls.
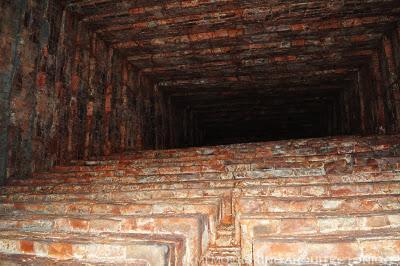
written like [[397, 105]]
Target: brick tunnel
[[200, 132]]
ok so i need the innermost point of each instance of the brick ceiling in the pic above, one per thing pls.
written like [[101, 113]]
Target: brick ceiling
[[232, 60]]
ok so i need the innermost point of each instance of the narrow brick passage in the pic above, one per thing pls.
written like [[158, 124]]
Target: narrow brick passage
[[199, 132]]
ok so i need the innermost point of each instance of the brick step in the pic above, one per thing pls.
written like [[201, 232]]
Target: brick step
[[211, 206], [315, 227], [309, 147], [247, 171], [309, 151], [223, 227], [139, 163], [320, 165], [324, 190], [105, 248], [187, 161], [348, 164], [140, 170], [316, 169], [317, 206], [362, 158], [319, 225], [177, 155], [122, 160], [222, 255], [157, 195], [193, 229], [245, 179], [31, 260], [121, 177], [263, 176], [155, 170], [168, 224], [278, 208], [204, 189], [151, 155], [206, 175], [330, 145], [278, 161], [381, 248], [330, 239], [226, 233], [172, 168], [225, 238], [209, 209]]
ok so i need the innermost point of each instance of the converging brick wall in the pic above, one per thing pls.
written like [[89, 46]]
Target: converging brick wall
[[66, 94]]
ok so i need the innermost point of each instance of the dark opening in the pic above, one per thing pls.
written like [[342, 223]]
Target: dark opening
[[270, 113]]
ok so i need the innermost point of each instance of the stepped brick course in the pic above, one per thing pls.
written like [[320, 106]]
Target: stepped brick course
[[302, 202]]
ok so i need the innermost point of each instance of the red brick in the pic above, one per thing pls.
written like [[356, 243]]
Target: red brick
[[60, 250], [26, 246]]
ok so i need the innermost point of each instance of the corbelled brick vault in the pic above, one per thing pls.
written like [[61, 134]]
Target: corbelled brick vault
[[200, 132]]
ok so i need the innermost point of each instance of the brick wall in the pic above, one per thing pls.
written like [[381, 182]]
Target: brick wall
[[66, 94], [11, 13]]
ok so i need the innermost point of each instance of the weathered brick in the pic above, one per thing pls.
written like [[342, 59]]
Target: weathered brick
[[26, 246], [296, 226], [339, 251], [381, 248], [60, 250], [279, 250]]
